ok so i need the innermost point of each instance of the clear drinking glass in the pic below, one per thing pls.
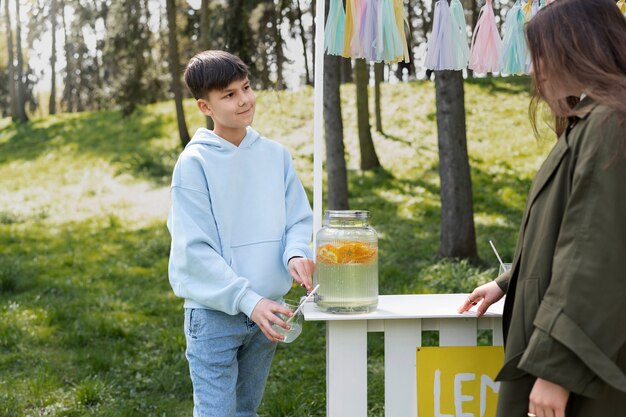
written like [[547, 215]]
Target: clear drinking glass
[[295, 323]]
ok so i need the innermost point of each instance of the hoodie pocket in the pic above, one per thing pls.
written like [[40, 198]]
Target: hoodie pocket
[[262, 264]]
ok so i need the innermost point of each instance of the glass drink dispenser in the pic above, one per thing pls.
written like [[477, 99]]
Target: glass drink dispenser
[[347, 263]]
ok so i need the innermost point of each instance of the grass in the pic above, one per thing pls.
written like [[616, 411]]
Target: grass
[[88, 323]]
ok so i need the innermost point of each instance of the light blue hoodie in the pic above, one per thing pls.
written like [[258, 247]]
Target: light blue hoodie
[[238, 215]]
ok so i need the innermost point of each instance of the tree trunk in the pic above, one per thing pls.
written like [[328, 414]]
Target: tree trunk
[[52, 105], [457, 215], [475, 12], [345, 65], [369, 159], [174, 64], [279, 45], [410, 39], [313, 42], [10, 64], [378, 78], [21, 94], [69, 80], [496, 11], [307, 73], [205, 43], [333, 128]]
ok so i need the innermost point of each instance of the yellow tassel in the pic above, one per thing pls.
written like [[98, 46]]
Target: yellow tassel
[[347, 34], [528, 10], [622, 6], [398, 6]]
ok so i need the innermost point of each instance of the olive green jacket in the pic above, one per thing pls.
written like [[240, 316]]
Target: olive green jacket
[[565, 311]]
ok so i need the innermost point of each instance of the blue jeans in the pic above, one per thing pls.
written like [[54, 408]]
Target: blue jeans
[[229, 360]]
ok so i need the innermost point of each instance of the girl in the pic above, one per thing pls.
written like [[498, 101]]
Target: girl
[[565, 337]]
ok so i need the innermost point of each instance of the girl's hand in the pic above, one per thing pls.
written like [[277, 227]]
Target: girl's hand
[[489, 293], [547, 399]]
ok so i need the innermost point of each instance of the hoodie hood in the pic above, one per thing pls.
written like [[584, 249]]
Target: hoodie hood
[[208, 137]]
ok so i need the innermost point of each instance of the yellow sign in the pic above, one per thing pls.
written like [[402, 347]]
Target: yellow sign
[[458, 381]]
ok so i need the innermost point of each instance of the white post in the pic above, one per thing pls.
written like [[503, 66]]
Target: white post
[[458, 332], [346, 368], [402, 337], [318, 117]]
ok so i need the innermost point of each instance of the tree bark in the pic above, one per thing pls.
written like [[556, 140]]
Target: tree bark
[[333, 127], [205, 43], [410, 39], [345, 65], [174, 64], [313, 43], [52, 104], [307, 73], [475, 13], [69, 80], [21, 94], [457, 215], [378, 78], [10, 64], [369, 159], [279, 45]]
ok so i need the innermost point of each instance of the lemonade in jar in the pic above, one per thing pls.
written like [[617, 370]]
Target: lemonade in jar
[[347, 263]]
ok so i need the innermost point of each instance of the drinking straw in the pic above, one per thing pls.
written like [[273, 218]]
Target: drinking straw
[[498, 256], [302, 303]]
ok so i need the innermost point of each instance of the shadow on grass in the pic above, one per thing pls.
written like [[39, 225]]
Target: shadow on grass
[[508, 85], [125, 142]]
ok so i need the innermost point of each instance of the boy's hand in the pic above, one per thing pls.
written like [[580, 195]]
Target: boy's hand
[[301, 270], [264, 315]]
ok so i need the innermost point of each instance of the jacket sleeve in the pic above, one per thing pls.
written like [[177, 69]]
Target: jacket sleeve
[[503, 280], [197, 270], [579, 325], [298, 214]]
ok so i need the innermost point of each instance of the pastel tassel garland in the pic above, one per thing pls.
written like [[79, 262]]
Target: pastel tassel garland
[[486, 42], [368, 30], [534, 7], [528, 10], [358, 12], [390, 47], [514, 50], [459, 35], [439, 50], [335, 27], [398, 7], [348, 29]]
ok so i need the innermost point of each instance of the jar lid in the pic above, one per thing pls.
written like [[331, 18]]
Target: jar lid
[[347, 214]]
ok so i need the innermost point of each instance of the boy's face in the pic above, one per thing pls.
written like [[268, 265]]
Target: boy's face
[[231, 108]]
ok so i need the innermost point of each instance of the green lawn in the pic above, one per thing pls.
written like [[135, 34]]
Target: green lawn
[[88, 323]]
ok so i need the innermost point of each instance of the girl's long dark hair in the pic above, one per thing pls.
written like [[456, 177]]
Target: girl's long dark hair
[[581, 43]]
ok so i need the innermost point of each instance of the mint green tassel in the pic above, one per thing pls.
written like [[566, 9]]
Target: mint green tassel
[[514, 51], [335, 26], [460, 46], [391, 48]]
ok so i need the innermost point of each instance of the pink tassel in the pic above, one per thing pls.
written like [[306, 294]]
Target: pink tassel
[[486, 42]]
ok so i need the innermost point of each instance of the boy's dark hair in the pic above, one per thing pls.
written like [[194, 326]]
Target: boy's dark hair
[[213, 70]]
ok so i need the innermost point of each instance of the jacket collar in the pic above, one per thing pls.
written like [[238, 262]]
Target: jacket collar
[[582, 109]]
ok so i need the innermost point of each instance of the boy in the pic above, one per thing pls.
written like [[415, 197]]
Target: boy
[[240, 224]]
